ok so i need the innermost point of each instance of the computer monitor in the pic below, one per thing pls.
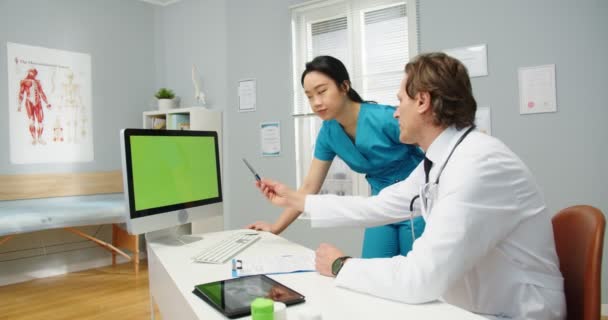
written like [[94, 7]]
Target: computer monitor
[[170, 177]]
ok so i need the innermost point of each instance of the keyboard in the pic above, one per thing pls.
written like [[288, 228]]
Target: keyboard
[[227, 248]]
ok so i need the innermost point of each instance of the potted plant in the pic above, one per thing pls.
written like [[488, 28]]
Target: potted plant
[[166, 99]]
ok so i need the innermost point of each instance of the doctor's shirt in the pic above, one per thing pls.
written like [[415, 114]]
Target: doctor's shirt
[[488, 246]]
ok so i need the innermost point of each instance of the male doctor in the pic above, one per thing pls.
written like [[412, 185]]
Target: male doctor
[[488, 244]]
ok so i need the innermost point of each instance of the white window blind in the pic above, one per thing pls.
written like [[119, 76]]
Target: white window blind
[[329, 37], [374, 39], [385, 50]]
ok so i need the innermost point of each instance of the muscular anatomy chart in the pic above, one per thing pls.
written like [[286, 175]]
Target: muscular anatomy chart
[[31, 91], [50, 105]]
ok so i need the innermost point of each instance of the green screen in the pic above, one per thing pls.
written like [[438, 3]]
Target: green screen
[[170, 170], [213, 291]]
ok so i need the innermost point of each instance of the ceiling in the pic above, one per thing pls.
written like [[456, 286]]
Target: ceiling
[[161, 2]]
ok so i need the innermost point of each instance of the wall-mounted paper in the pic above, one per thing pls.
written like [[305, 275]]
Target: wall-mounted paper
[[475, 58], [50, 105], [247, 95], [483, 120], [537, 93], [271, 139]]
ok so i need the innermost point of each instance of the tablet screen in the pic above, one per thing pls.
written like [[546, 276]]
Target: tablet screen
[[233, 297]]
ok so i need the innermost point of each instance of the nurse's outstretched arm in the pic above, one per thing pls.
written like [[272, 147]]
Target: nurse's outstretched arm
[[281, 195]]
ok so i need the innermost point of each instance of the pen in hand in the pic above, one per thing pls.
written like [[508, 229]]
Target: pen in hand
[[255, 174]]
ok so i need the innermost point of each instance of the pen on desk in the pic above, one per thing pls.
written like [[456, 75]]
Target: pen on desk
[[255, 174]]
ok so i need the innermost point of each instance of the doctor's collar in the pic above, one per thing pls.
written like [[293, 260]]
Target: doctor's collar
[[442, 145]]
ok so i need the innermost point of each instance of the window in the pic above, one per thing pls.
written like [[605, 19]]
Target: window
[[374, 39]]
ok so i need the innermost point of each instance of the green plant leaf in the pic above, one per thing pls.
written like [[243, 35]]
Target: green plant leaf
[[164, 93]]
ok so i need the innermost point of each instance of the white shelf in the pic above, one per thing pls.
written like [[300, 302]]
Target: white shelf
[[199, 118], [177, 110]]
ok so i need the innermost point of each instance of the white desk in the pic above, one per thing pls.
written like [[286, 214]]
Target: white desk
[[173, 275]]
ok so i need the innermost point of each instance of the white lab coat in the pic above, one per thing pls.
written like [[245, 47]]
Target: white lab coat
[[488, 245]]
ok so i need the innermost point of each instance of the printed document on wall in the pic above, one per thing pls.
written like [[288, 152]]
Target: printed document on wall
[[50, 105], [483, 120], [537, 92], [475, 58], [247, 95], [271, 139]]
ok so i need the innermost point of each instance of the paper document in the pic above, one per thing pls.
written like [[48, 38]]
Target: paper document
[[247, 95], [537, 91], [475, 58], [273, 264], [271, 139]]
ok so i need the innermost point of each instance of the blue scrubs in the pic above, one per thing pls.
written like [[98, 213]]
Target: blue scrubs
[[376, 152]]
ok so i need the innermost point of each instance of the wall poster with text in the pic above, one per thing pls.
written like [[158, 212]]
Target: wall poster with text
[[50, 105]]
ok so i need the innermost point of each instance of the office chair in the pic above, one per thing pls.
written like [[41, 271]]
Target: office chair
[[579, 240]]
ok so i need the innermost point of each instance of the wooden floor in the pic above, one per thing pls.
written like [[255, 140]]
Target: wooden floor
[[108, 293]]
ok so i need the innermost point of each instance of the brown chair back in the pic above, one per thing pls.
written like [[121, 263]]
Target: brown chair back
[[579, 240]]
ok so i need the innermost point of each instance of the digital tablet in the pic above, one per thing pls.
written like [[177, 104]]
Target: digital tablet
[[233, 297]]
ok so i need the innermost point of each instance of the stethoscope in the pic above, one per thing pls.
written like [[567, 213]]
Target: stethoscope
[[426, 185]]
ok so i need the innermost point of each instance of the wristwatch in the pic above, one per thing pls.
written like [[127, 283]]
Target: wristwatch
[[337, 265]]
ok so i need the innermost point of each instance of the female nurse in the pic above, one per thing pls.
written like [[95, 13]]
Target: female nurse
[[366, 137]]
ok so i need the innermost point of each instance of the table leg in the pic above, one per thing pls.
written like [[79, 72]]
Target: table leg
[[5, 239]]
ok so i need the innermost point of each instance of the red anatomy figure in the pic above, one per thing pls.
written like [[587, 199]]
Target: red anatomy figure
[[32, 91]]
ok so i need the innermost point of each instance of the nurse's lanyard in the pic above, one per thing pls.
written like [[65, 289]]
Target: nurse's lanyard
[[426, 186]]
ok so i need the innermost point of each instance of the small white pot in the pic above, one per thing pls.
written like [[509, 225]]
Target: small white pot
[[166, 104]]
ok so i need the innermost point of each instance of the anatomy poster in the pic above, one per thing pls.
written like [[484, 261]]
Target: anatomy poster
[[49, 101]]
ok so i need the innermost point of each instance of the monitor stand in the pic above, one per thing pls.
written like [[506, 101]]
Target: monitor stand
[[176, 236]]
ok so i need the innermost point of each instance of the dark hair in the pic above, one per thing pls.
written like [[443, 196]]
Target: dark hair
[[447, 81], [334, 69]]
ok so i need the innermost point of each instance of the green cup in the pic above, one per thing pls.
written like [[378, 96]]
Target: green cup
[[262, 309]]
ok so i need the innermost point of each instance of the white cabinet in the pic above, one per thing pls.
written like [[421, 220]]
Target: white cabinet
[[195, 118]]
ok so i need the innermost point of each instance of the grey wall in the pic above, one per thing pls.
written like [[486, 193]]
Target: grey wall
[[259, 46], [119, 37], [192, 32], [565, 150]]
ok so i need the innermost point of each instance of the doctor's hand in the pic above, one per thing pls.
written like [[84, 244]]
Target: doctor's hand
[[326, 254], [279, 293], [281, 195]]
